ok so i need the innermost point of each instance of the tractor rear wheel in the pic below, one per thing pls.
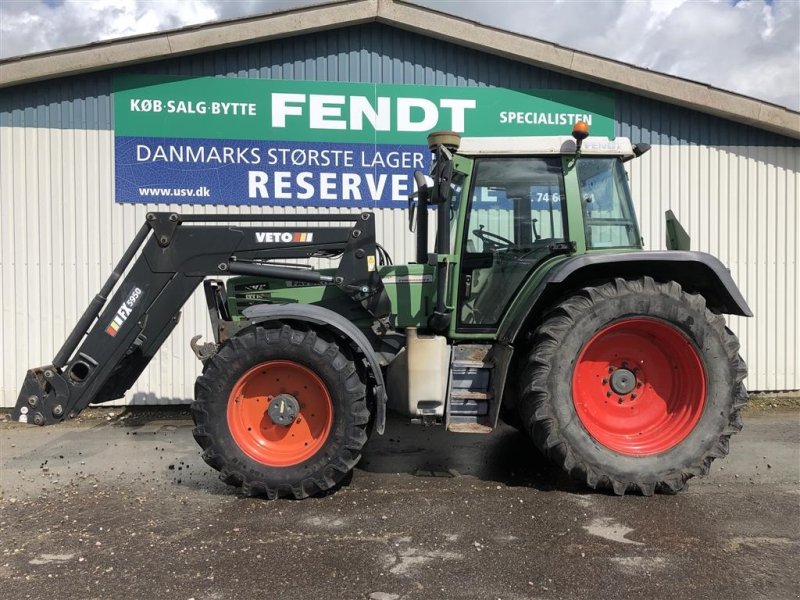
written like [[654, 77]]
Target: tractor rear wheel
[[633, 386], [281, 412]]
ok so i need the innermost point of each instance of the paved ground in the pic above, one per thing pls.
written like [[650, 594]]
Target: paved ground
[[113, 509]]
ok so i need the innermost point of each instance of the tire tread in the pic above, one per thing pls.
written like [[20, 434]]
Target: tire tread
[[535, 406], [211, 398]]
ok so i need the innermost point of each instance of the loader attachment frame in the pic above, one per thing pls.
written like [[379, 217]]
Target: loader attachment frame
[[171, 255]]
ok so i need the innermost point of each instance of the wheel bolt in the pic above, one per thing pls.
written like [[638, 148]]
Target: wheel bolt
[[605, 379], [633, 396], [608, 394]]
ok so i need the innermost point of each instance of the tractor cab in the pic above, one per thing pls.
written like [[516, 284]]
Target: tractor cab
[[508, 206]]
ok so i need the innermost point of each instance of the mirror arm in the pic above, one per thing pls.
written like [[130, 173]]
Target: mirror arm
[[422, 217]]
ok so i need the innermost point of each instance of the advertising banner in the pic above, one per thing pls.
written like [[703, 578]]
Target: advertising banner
[[232, 141]]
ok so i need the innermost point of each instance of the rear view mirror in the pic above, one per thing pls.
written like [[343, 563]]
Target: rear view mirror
[[442, 177], [418, 199]]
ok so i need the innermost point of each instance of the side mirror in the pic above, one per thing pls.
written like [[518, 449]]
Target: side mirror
[[418, 199], [442, 177]]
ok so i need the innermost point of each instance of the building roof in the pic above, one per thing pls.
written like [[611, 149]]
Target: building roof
[[396, 13]]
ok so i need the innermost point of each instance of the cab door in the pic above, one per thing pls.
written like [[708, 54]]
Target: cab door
[[516, 219]]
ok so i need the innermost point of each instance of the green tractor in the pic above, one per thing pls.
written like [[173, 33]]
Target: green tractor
[[535, 305]]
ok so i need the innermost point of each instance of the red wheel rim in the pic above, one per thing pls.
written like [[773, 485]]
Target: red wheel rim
[[668, 386], [254, 431]]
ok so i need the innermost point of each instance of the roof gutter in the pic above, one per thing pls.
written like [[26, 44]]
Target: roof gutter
[[604, 71], [181, 42], [396, 13]]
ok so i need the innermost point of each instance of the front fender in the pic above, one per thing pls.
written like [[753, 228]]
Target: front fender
[[697, 272], [324, 317]]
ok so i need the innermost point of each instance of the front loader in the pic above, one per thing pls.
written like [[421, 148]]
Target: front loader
[[536, 305]]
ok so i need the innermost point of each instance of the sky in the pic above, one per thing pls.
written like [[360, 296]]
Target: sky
[[747, 46]]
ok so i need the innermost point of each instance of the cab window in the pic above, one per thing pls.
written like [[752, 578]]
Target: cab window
[[607, 207], [516, 215]]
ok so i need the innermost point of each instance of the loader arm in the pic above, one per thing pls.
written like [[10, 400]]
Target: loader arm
[[118, 335]]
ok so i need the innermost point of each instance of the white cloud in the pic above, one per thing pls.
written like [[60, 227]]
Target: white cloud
[[751, 46], [35, 26]]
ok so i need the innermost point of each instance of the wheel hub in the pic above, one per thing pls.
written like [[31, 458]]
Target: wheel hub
[[623, 381], [283, 409], [280, 413], [639, 386]]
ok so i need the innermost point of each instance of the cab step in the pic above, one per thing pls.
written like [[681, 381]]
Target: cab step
[[458, 426], [469, 390], [469, 402]]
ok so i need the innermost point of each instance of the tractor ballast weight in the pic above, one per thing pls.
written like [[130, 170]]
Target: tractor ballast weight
[[536, 304]]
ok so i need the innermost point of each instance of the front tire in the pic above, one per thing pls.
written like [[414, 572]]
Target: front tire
[[633, 385], [281, 412]]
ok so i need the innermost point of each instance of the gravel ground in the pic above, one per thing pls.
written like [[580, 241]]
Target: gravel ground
[[123, 506]]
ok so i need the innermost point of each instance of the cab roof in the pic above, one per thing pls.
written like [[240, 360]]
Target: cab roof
[[544, 145]]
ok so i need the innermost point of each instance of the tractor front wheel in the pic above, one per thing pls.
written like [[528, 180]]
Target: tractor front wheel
[[633, 385], [281, 412]]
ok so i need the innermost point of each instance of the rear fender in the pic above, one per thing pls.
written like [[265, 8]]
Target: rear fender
[[339, 327], [697, 272]]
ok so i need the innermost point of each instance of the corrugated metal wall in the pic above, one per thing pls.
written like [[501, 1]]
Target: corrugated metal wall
[[739, 203], [60, 236], [734, 187]]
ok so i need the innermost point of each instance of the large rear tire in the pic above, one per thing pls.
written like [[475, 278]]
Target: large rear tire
[[281, 413], [633, 386]]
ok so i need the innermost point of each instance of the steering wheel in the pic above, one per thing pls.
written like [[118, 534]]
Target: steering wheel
[[493, 239]]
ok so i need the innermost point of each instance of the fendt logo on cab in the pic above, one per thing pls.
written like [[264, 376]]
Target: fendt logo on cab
[[283, 237]]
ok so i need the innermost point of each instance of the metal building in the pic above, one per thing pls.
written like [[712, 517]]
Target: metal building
[[727, 165]]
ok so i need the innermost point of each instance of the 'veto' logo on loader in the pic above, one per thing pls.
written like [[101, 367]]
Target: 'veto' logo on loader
[[283, 237], [125, 309]]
